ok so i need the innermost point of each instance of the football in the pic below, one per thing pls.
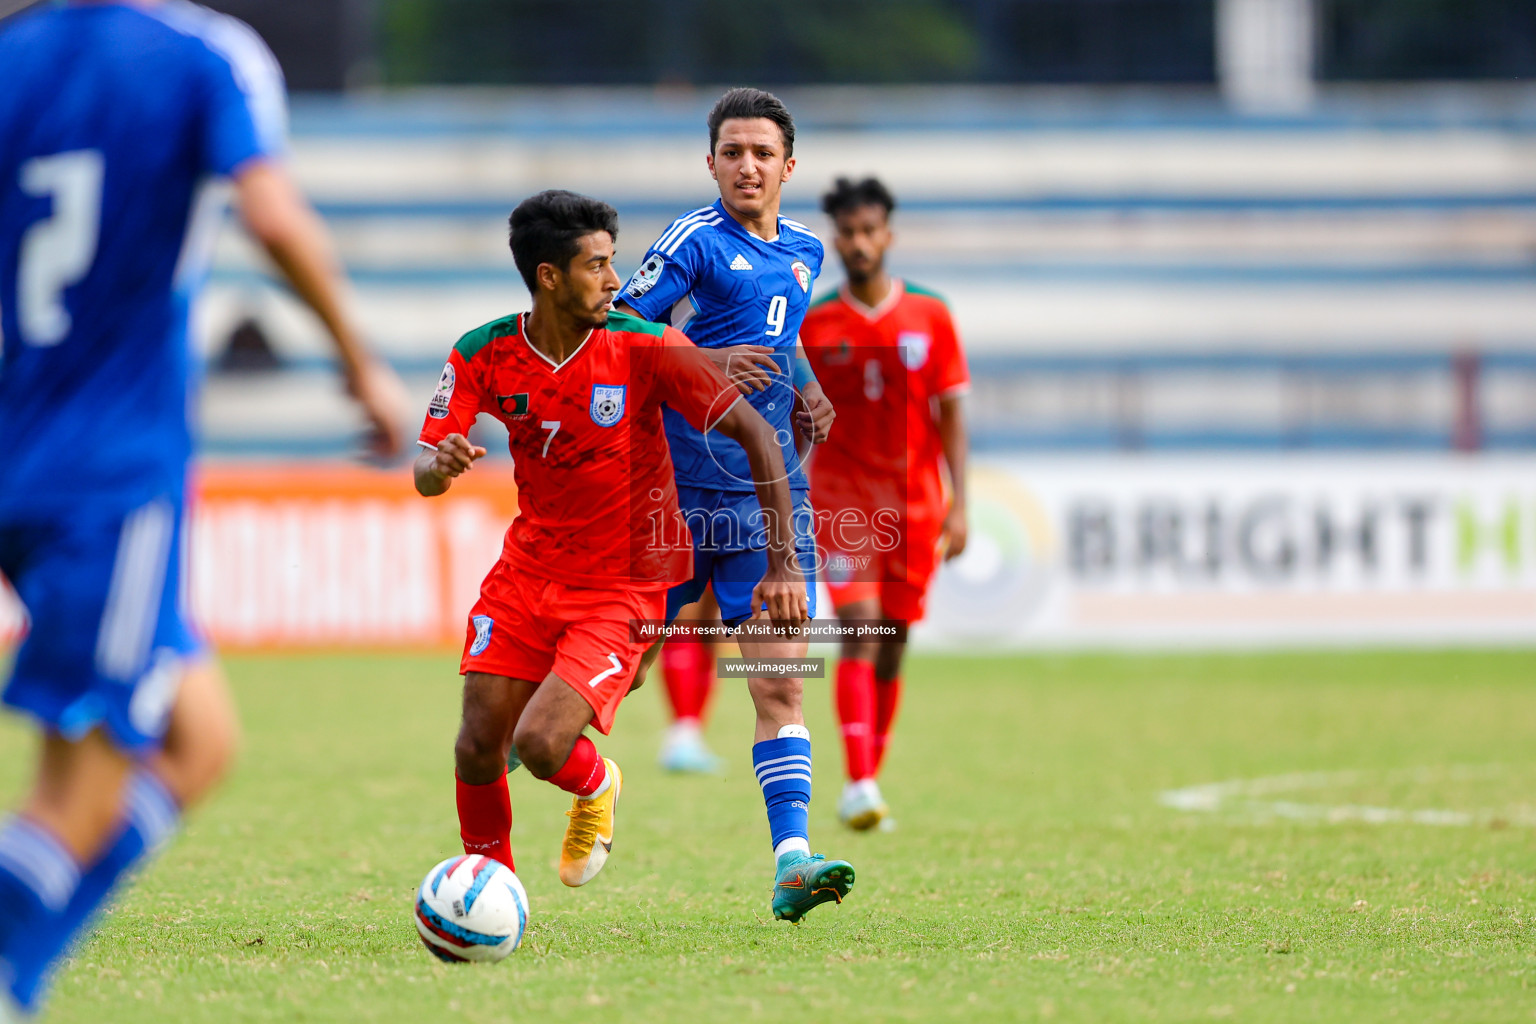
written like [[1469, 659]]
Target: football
[[471, 909]]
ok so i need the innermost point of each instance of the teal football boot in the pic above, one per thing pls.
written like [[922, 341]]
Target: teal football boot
[[803, 882]]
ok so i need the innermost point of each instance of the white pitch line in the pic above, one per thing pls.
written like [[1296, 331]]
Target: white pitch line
[[1245, 797]]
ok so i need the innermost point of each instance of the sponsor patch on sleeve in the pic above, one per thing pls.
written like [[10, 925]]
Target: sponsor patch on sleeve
[[646, 277], [438, 409]]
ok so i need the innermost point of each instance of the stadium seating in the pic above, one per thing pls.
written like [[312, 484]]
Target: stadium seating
[[1131, 272]]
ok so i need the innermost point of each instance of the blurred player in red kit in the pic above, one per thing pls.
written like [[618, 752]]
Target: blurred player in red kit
[[688, 672], [598, 539], [888, 358]]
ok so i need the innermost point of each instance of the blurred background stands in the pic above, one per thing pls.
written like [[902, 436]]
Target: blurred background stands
[[1163, 224]]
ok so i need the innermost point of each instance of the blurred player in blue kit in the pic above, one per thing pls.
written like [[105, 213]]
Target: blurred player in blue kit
[[736, 277], [117, 122]]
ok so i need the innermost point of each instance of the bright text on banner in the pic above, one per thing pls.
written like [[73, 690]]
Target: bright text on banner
[[322, 556], [319, 556], [1064, 552]]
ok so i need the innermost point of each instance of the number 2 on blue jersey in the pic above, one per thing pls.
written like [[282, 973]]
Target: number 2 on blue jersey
[[57, 252]]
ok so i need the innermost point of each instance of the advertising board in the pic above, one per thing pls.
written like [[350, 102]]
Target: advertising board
[[1077, 551], [1359, 549]]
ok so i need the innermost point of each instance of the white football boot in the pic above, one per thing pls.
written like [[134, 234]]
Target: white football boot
[[861, 807]]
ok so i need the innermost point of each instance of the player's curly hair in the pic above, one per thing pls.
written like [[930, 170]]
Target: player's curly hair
[[745, 102], [545, 229], [847, 194]]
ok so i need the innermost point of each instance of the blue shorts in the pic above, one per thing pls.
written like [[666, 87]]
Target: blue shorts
[[730, 550], [108, 635]]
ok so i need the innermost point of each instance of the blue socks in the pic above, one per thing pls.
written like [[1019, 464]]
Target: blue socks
[[150, 816], [38, 878], [783, 767]]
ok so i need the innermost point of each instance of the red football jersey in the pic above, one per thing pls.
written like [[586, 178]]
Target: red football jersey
[[597, 502], [883, 369]]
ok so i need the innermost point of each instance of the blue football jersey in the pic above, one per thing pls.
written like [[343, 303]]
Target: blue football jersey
[[116, 123], [722, 285]]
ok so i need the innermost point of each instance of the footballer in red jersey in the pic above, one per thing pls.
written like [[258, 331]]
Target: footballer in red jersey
[[598, 538], [889, 484]]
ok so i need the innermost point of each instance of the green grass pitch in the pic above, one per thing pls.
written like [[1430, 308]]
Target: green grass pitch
[[1034, 875]]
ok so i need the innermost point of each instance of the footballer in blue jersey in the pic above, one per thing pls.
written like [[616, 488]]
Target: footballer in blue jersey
[[736, 277], [722, 285], [118, 121]]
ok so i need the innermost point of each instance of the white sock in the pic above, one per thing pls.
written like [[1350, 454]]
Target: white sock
[[794, 843]]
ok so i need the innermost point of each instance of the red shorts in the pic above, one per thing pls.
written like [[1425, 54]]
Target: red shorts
[[525, 627], [897, 578]]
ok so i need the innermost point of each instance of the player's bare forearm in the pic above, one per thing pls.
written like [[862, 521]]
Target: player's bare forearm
[[428, 483], [295, 238], [955, 443], [279, 218], [749, 367], [781, 592], [435, 470], [744, 425]]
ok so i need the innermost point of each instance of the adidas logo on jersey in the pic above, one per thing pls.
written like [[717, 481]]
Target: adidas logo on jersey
[[740, 263]]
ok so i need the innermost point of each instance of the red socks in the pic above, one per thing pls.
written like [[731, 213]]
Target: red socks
[[887, 700], [485, 812], [856, 712], [485, 819], [689, 673], [866, 707], [583, 772]]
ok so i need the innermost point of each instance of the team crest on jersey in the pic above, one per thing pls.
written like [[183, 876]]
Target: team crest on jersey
[[914, 348], [444, 394], [513, 405], [607, 404], [802, 274], [646, 277], [483, 627]]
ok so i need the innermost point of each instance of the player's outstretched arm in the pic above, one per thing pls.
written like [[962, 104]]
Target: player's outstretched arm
[[278, 216], [783, 587], [956, 445], [749, 367], [436, 469]]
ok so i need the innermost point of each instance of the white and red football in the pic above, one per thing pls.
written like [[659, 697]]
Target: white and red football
[[471, 909]]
